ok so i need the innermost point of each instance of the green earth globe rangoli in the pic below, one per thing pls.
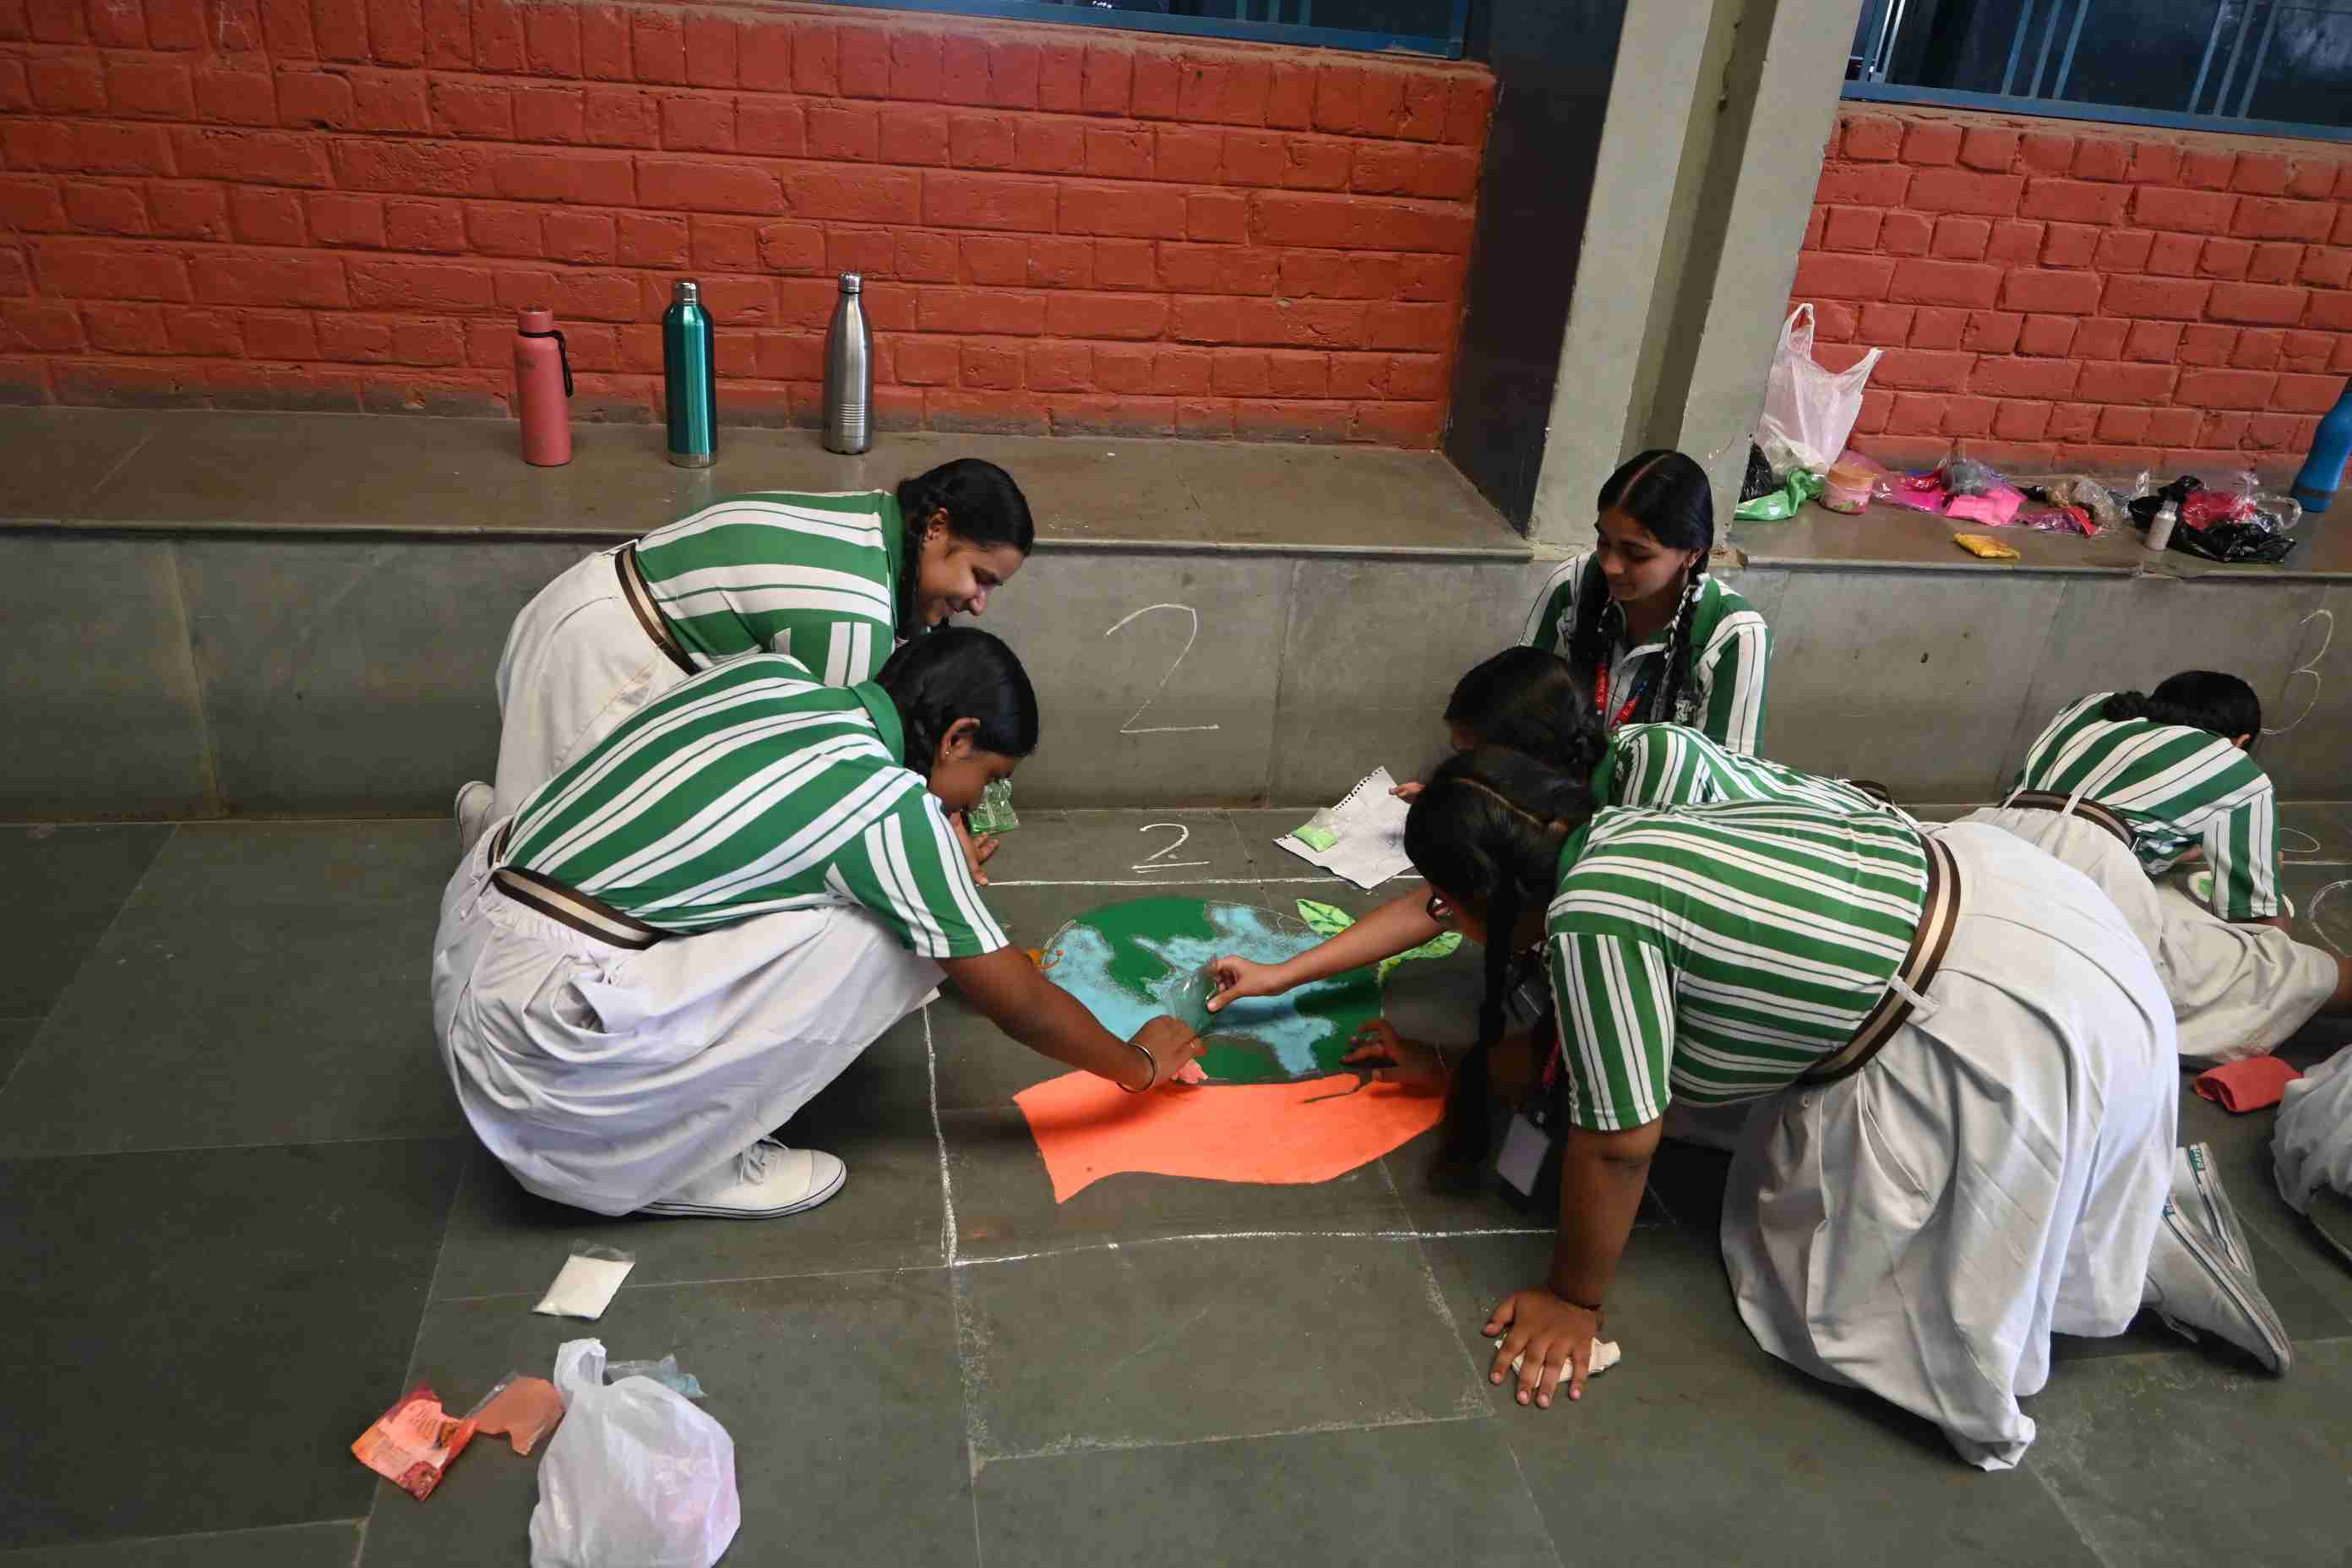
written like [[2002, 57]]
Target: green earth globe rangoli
[[1123, 961]]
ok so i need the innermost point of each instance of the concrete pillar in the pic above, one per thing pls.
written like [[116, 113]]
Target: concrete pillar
[[1709, 153]]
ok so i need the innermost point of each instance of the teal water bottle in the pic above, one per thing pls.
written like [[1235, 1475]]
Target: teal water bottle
[[690, 379]]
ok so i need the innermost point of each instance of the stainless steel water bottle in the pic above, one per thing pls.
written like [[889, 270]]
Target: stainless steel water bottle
[[848, 372], [690, 379]]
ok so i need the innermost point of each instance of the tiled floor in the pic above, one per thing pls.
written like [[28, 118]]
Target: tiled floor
[[239, 1213]]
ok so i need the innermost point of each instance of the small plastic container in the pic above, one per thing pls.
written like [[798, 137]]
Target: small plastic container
[[2159, 532], [1848, 486]]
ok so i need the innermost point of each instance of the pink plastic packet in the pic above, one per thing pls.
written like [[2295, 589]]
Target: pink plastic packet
[[1994, 509]]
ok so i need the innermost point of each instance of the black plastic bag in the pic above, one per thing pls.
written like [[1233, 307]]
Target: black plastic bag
[[2234, 541], [1759, 480]]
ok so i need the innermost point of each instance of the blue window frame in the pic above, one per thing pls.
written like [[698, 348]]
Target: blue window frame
[[2279, 68], [1391, 26]]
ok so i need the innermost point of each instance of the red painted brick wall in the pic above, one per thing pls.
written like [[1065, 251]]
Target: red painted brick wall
[[340, 203], [2087, 296]]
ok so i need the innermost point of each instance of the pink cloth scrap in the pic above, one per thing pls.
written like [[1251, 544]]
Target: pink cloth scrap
[[2254, 1084]]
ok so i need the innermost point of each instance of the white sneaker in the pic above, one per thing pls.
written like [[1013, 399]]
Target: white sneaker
[[472, 809], [2196, 1192], [764, 1182], [2193, 1285]]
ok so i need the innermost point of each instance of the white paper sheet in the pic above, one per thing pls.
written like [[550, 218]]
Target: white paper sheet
[[1369, 821]]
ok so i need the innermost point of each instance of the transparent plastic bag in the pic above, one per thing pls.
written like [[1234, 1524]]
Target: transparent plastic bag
[[1809, 412], [635, 1477]]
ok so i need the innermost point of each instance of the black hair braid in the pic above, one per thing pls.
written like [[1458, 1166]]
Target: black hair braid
[[1460, 1166], [2206, 699], [911, 577], [1665, 702], [1592, 640], [1488, 830]]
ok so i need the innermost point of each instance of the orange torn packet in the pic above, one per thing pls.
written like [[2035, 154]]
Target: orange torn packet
[[1278, 1133], [521, 1409], [413, 1444]]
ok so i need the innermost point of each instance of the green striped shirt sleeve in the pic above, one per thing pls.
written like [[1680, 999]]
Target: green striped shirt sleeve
[[909, 870], [2243, 846], [1658, 767], [1614, 996], [1554, 602], [1731, 669]]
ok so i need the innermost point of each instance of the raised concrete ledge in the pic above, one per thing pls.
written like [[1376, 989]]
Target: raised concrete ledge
[[357, 475], [1894, 538]]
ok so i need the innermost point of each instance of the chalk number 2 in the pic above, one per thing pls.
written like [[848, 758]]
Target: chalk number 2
[[1193, 636]]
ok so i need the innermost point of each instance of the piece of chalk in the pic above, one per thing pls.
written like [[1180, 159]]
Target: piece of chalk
[[1605, 1354]]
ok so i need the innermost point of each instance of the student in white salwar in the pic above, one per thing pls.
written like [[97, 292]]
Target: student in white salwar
[[2311, 1148], [1964, 1060], [686, 934], [2159, 771]]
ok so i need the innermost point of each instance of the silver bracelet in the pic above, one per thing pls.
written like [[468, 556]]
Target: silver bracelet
[[1149, 1060]]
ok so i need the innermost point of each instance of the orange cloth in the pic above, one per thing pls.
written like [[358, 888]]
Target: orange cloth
[[1285, 1133], [2249, 1085]]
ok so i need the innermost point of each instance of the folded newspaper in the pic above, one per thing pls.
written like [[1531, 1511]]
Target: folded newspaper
[[1366, 830]]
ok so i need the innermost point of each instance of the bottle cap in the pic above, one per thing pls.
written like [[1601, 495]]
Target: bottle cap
[[686, 291], [534, 318], [853, 283]]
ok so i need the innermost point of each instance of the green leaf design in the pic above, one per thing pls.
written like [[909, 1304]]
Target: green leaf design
[[1324, 920]]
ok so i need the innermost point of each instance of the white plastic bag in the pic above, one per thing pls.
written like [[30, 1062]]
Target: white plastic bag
[[636, 1476], [1808, 411]]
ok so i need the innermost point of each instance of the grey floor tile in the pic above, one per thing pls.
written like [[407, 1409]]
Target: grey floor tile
[[66, 885], [403, 861], [2314, 832], [331, 1543], [876, 1117], [1120, 846], [840, 1395], [1442, 1492], [1179, 1341], [1003, 1198], [202, 1024], [1789, 1463], [203, 1333], [16, 1034], [2166, 1460]]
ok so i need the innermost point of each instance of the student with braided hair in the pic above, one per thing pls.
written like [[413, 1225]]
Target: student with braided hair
[[1965, 1142], [835, 580], [1525, 699], [1664, 640]]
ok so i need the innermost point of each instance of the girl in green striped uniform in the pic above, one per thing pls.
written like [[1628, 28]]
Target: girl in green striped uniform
[[1524, 699], [693, 928], [1968, 1139], [1663, 640], [833, 580], [2124, 786]]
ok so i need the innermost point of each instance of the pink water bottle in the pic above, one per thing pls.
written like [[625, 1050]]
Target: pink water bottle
[[542, 387]]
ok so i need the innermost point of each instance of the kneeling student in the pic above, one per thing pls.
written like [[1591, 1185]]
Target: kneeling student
[[681, 938]]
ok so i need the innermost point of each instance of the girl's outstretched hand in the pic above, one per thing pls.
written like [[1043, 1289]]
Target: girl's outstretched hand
[[1408, 1064], [1551, 1338]]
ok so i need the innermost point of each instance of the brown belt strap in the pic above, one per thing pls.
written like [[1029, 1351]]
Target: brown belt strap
[[2090, 811], [1938, 916], [568, 906], [649, 615]]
